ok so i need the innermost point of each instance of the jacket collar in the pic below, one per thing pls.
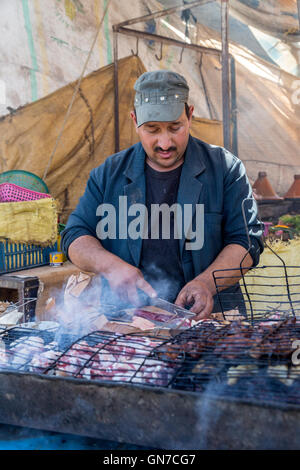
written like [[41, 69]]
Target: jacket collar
[[193, 165], [136, 163], [189, 191], [190, 187]]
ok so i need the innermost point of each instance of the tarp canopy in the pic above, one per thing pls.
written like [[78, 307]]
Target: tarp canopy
[[276, 17], [47, 55], [268, 112], [268, 28], [88, 138]]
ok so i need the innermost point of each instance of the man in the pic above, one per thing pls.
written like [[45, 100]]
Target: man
[[170, 253]]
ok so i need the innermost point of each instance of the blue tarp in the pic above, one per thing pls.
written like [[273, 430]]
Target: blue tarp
[[18, 438]]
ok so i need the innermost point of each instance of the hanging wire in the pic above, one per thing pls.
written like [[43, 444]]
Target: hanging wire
[[136, 53], [75, 92], [181, 54], [161, 54]]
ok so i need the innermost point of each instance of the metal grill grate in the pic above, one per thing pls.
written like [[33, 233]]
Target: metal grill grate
[[236, 360], [106, 356], [245, 362], [97, 356]]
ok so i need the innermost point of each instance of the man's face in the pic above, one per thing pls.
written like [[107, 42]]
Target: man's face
[[165, 142]]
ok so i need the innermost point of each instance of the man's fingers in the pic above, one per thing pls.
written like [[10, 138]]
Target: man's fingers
[[146, 287], [181, 299], [186, 297], [200, 302], [206, 310], [190, 298], [199, 298]]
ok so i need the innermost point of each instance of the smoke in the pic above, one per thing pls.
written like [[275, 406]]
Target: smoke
[[85, 304], [208, 414], [77, 306], [166, 288]]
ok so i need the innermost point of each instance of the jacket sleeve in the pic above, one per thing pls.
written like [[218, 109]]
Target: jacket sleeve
[[238, 194], [83, 220]]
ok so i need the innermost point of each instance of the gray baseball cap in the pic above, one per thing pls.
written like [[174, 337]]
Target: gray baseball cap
[[160, 96]]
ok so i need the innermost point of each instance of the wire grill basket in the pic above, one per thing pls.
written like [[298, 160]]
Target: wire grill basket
[[231, 360], [266, 290]]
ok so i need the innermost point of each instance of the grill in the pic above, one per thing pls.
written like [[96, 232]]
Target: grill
[[100, 382], [231, 382], [232, 359], [97, 356], [243, 362]]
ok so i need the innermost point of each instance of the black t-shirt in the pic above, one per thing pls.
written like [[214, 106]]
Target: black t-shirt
[[160, 258]]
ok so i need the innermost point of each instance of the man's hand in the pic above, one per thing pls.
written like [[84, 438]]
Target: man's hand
[[200, 291], [124, 279], [196, 294]]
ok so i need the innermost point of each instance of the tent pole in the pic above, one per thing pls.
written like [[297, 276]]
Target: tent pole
[[235, 149], [116, 93], [225, 75], [119, 28]]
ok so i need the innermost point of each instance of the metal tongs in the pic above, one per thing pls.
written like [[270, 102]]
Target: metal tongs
[[112, 312], [179, 313], [172, 308]]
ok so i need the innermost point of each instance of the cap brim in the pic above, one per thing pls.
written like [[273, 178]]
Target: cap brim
[[158, 112]]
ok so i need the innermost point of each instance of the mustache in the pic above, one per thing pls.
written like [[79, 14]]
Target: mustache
[[170, 149]]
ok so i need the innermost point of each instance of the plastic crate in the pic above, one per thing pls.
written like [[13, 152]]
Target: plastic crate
[[19, 256]]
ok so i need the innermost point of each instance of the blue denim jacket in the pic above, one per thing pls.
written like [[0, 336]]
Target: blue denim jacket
[[210, 175]]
